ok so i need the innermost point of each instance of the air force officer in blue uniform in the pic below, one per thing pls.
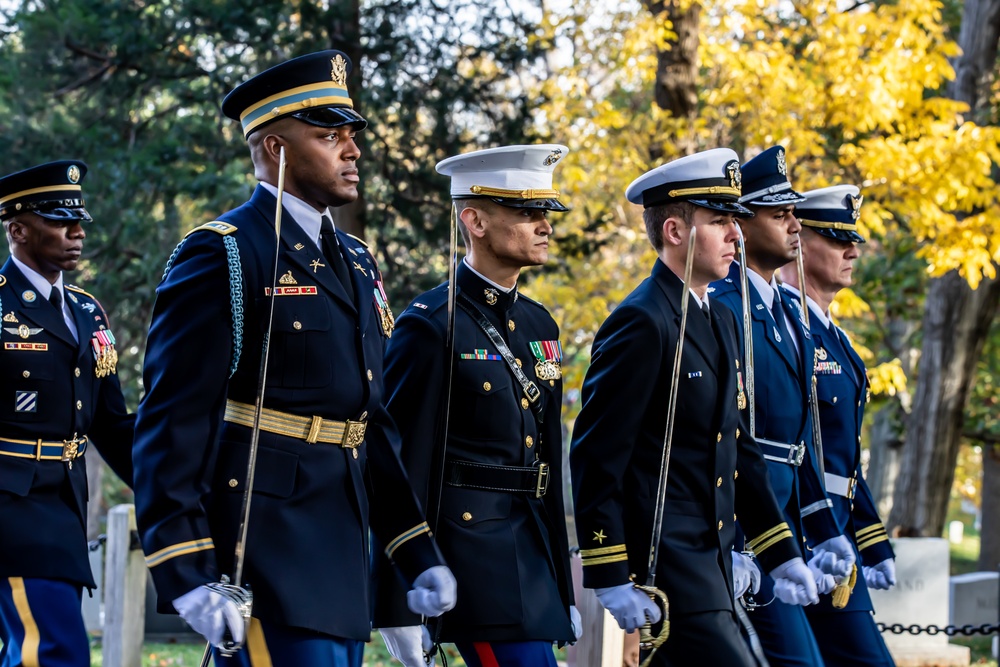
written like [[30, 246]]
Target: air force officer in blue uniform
[[326, 468], [848, 636], [783, 372], [716, 470], [58, 369]]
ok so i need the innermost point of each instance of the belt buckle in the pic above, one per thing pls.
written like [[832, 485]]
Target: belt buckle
[[354, 433], [71, 449], [796, 454], [542, 485]]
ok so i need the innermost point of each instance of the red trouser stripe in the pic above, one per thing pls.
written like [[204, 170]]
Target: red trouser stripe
[[485, 653]]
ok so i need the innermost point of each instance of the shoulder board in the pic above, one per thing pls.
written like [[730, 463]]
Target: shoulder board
[[3, 281], [361, 241], [74, 288], [521, 297], [216, 226]]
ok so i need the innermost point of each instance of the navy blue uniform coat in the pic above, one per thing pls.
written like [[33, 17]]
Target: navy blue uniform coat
[[308, 551], [43, 516], [509, 551]]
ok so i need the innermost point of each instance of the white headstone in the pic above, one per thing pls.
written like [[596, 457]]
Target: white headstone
[[974, 598], [956, 531]]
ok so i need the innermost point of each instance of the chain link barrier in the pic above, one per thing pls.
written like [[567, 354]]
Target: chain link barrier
[[949, 630]]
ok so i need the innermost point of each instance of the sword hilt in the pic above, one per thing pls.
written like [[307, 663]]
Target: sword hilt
[[647, 640]]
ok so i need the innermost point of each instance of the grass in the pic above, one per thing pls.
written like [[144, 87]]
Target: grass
[[981, 649], [965, 556]]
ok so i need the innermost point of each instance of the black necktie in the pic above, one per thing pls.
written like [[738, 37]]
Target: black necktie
[[55, 298], [331, 250], [704, 309]]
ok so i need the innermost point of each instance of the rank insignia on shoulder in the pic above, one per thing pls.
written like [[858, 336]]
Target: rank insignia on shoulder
[[10, 317], [548, 356], [385, 318], [287, 279], [481, 355]]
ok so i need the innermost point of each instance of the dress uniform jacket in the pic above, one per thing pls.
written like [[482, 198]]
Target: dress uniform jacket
[[507, 549], [781, 397], [53, 394], [842, 390], [716, 471], [307, 555]]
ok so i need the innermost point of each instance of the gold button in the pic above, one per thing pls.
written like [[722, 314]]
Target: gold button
[[720, 524], [354, 451], [370, 376], [518, 362], [510, 324], [859, 438], [296, 325], [718, 482], [79, 405], [233, 484], [736, 473], [487, 386], [26, 374], [737, 434], [76, 372], [737, 364], [859, 404], [466, 516], [364, 416], [529, 441], [718, 438], [552, 383], [834, 399], [524, 403], [734, 517]]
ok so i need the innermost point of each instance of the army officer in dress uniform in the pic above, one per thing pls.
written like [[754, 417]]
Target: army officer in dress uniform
[[326, 467], [716, 470], [501, 522], [830, 241], [58, 369]]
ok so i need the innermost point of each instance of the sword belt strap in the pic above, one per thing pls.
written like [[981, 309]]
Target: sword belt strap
[[781, 452], [44, 450], [349, 434], [840, 486], [512, 479], [531, 390]]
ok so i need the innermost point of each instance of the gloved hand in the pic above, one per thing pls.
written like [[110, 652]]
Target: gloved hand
[[824, 582], [433, 592], [408, 644], [209, 613], [629, 606], [881, 576], [745, 575], [576, 622], [834, 556], [794, 583]]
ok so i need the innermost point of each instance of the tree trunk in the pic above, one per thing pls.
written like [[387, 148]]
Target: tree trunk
[[956, 323], [989, 547]]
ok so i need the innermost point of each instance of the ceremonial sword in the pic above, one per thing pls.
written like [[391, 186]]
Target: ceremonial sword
[[646, 639], [234, 590]]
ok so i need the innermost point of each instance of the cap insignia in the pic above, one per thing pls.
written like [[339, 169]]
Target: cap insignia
[[338, 70], [733, 171], [553, 157], [856, 206], [782, 168], [73, 174]]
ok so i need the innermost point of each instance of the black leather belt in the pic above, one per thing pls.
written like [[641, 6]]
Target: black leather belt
[[512, 479]]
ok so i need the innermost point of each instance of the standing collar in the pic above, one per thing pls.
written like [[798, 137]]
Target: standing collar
[[307, 217], [484, 291]]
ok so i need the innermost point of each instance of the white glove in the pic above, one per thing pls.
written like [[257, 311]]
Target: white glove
[[433, 593], [834, 556], [629, 606], [794, 583], [746, 576], [209, 613], [408, 644], [881, 576], [824, 582], [576, 622]]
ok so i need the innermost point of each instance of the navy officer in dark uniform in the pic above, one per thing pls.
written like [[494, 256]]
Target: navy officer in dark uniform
[[501, 522], [783, 372], [716, 471], [829, 217], [326, 468], [58, 368]]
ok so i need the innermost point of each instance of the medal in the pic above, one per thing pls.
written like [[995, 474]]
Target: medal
[[548, 355]]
